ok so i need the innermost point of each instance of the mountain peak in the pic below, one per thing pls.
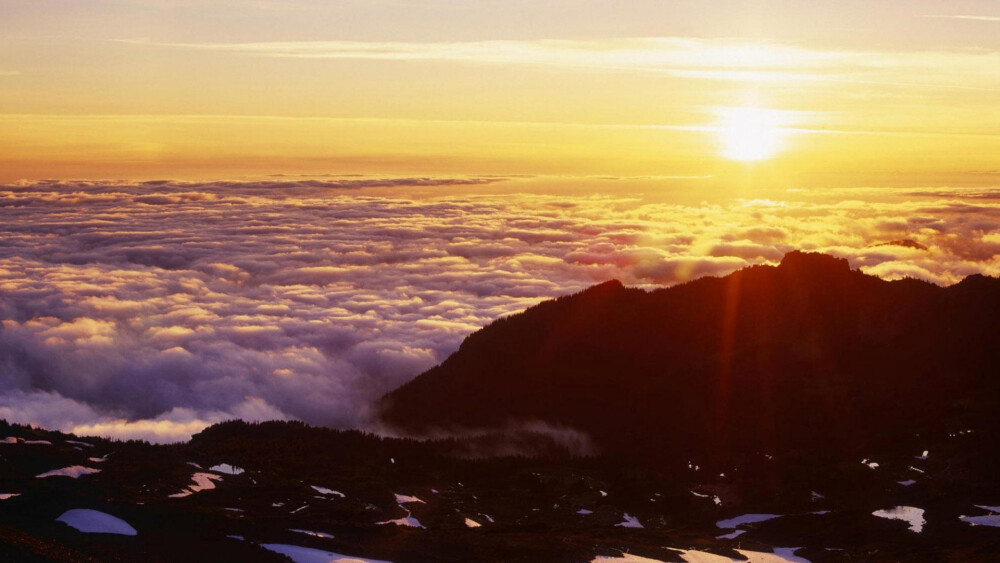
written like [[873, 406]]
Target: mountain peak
[[814, 263]]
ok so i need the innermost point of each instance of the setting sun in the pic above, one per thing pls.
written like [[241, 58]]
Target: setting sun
[[750, 134]]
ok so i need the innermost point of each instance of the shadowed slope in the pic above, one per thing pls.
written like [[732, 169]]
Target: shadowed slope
[[806, 356]]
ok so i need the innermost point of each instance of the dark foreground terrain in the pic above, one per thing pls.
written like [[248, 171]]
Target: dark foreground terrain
[[552, 509], [804, 412]]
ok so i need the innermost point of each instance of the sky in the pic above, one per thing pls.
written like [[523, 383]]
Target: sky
[[898, 93], [282, 210]]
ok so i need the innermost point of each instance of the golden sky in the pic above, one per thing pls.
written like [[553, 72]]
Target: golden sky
[[776, 94]]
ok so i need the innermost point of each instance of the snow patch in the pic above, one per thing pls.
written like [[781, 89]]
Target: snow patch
[[906, 483], [311, 533], [5, 496], [84, 444], [780, 555], [870, 464], [992, 520], [910, 514], [624, 558], [923, 455], [745, 519], [202, 482], [73, 471], [95, 522], [731, 535], [325, 491], [403, 499], [629, 521], [408, 521], [470, 523], [584, 511], [226, 468], [300, 554]]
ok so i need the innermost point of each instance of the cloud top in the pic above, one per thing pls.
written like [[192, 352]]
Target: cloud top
[[150, 310]]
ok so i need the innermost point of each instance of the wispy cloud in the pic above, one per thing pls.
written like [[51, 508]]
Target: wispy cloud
[[965, 17], [695, 58], [703, 58]]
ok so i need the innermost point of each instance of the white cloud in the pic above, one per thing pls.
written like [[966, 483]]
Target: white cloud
[[299, 300]]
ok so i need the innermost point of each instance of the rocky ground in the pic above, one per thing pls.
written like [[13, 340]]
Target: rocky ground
[[263, 492]]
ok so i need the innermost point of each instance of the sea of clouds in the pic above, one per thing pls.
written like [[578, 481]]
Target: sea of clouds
[[150, 310]]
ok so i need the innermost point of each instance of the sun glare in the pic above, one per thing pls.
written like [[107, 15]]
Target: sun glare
[[750, 134]]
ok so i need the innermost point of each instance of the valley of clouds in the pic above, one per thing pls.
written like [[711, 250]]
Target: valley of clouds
[[150, 310]]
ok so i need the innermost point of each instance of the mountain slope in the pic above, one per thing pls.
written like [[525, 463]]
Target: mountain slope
[[808, 356]]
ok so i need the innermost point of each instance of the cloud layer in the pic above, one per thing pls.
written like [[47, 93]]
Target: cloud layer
[[151, 310]]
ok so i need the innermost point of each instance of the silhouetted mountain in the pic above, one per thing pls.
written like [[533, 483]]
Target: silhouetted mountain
[[808, 358]]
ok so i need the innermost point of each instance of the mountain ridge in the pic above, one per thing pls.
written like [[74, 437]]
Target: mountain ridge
[[766, 358]]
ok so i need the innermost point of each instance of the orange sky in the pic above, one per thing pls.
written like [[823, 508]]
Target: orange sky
[[787, 94]]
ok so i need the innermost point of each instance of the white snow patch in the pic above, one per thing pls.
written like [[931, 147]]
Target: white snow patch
[[408, 521], [277, 504], [403, 499], [299, 508], [226, 468], [780, 555], [917, 470], [584, 511], [907, 482], [603, 493], [234, 509], [923, 455], [910, 514], [84, 444], [325, 491], [10, 440], [202, 482], [629, 521], [487, 516], [788, 554], [470, 523], [695, 556], [715, 498], [870, 464], [991, 520], [731, 535], [235, 537], [5, 496], [98, 459], [624, 558], [73, 471], [38, 442], [193, 464], [96, 522], [816, 496], [300, 554], [311, 533], [820, 512], [745, 519]]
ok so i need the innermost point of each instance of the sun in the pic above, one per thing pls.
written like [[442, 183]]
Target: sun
[[750, 134]]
